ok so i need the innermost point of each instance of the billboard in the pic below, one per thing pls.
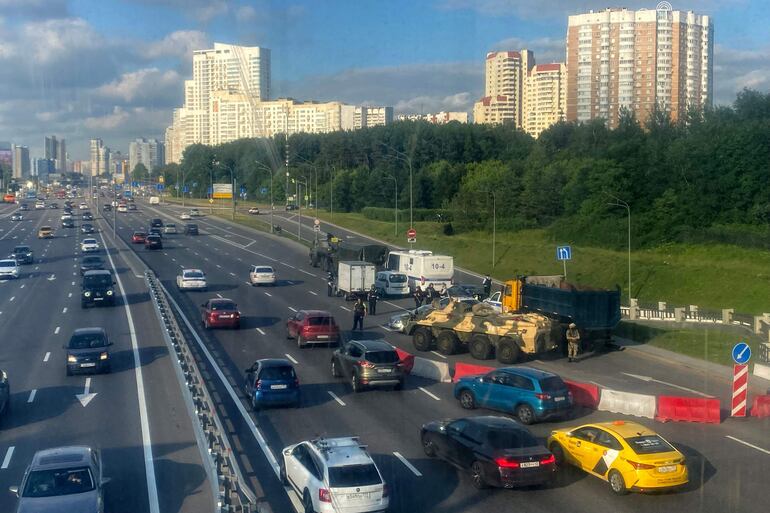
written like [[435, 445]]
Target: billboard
[[223, 191]]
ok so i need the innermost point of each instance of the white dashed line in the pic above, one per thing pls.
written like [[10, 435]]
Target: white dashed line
[[312, 292], [268, 294], [32, 395], [292, 309], [56, 331], [22, 286], [429, 394], [334, 396], [73, 283], [260, 331], [345, 308], [309, 274], [289, 265], [439, 354], [47, 356], [407, 464], [69, 295], [12, 298], [64, 310], [232, 274], [290, 357], [7, 459], [747, 444]]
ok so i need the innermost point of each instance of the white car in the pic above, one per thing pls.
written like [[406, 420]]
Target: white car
[[9, 268], [89, 245], [254, 210], [122, 209], [185, 217], [191, 279], [170, 228], [343, 477], [40, 205], [194, 212], [83, 206], [66, 217], [262, 275], [17, 217]]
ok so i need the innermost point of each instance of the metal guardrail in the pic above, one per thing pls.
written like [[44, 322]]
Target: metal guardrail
[[231, 493], [764, 352]]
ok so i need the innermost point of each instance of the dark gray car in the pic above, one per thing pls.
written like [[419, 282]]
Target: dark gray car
[[63, 479], [88, 351]]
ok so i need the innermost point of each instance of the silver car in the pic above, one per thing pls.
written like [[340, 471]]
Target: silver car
[[62, 479], [398, 321]]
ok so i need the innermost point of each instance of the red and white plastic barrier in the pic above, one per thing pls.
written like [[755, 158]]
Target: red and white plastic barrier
[[469, 369], [688, 409], [431, 369], [406, 359], [584, 394], [761, 406], [626, 403]]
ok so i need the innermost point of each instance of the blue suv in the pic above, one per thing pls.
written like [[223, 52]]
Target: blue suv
[[271, 382], [530, 394]]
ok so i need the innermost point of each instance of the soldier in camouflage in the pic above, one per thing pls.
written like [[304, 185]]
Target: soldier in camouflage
[[573, 341]]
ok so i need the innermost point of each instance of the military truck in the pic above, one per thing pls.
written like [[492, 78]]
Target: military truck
[[328, 253], [483, 331]]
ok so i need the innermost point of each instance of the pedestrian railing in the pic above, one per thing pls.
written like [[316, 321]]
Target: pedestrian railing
[[759, 324]]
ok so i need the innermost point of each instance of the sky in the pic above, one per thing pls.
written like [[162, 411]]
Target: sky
[[115, 68]]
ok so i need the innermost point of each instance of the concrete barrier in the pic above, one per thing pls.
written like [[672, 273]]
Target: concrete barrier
[[762, 371], [761, 406], [431, 369], [406, 359], [584, 394], [688, 409], [469, 369], [627, 403]]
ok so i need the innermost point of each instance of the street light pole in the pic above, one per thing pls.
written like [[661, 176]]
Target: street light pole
[[406, 158], [270, 171], [494, 225], [395, 205], [620, 203], [297, 182]]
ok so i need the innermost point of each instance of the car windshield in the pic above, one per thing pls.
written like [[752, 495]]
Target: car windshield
[[649, 444], [21, 249], [264, 270], [223, 306], [381, 356], [98, 280], [348, 476], [87, 341], [510, 439], [278, 373], [397, 278], [92, 260], [197, 275], [53, 482], [552, 384], [7, 263], [320, 321], [89, 241]]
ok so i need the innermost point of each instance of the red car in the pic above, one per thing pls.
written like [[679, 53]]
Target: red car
[[220, 313], [313, 326], [139, 238]]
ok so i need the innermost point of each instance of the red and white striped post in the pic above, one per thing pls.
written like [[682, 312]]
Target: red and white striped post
[[740, 390]]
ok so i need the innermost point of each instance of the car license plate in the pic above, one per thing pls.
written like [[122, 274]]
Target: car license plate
[[88, 364], [323, 336], [529, 464], [667, 468], [98, 298], [383, 371], [558, 399], [278, 387], [226, 316], [357, 496]]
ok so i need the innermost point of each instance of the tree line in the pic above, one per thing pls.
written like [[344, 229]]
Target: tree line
[[703, 176]]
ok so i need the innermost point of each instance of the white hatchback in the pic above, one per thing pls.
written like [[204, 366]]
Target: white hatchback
[[262, 275], [9, 268], [89, 245], [191, 279]]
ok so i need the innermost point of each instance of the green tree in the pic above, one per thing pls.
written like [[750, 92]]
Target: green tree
[[140, 173]]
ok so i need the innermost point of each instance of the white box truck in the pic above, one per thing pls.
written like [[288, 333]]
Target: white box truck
[[422, 267], [354, 278]]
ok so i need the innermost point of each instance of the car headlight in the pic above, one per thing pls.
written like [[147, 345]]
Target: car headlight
[[104, 356], [71, 358], [87, 294], [109, 292]]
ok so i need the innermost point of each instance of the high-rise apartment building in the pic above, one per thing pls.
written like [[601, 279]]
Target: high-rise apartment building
[[21, 164], [100, 157], [56, 151], [545, 97], [149, 152], [505, 75], [368, 116], [638, 60], [437, 118]]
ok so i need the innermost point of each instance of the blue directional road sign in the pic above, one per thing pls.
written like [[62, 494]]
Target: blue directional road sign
[[211, 190], [563, 252], [195, 184], [186, 188], [263, 190], [160, 186], [118, 186], [243, 189], [134, 184], [741, 353]]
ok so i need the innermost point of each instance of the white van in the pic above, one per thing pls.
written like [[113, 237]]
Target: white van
[[422, 268], [154, 200], [392, 283]]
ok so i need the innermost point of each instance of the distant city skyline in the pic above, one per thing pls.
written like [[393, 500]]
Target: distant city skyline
[[417, 56]]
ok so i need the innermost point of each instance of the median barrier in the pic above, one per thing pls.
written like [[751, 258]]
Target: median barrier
[[688, 409], [431, 369], [406, 359], [469, 369], [584, 394], [761, 406], [626, 403], [762, 371]]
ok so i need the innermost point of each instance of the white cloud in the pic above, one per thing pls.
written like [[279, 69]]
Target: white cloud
[[735, 69], [144, 84], [546, 49], [107, 121], [202, 10], [179, 44], [50, 39], [462, 102]]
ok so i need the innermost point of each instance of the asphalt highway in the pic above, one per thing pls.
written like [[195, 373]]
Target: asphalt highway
[[135, 415], [727, 475]]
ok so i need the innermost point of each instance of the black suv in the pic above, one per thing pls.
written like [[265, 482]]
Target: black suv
[[88, 351], [153, 242], [156, 223], [67, 223], [97, 287], [368, 363], [88, 216], [22, 255], [191, 229]]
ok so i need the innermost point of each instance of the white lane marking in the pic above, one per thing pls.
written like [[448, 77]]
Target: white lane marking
[[397, 306], [149, 465], [312, 292], [292, 309], [260, 331], [268, 294], [47, 356], [387, 329], [36, 268], [345, 308], [334, 396], [407, 464], [32, 395], [290, 357], [219, 296], [747, 444], [180, 265], [219, 266], [12, 298], [73, 283], [56, 331], [439, 354], [7, 459], [309, 274], [288, 265], [69, 295], [648, 379], [232, 274], [64, 310], [248, 283], [429, 394]]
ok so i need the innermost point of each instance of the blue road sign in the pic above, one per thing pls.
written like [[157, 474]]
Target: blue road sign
[[195, 184], [118, 186], [211, 190], [134, 184], [186, 188], [160, 186], [741, 353], [243, 189], [563, 252], [263, 190]]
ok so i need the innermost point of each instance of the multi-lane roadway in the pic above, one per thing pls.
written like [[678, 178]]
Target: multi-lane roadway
[[729, 463]]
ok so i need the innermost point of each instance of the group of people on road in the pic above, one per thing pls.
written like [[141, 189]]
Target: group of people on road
[[426, 296]]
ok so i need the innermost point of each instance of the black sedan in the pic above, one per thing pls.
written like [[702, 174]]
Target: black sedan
[[153, 242], [87, 228], [88, 216], [497, 451], [466, 290], [191, 229], [91, 263], [22, 255], [67, 223], [88, 351]]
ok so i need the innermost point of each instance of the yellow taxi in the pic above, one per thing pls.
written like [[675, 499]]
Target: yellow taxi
[[627, 455], [45, 232]]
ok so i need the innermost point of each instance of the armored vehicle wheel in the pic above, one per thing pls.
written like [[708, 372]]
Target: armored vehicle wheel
[[422, 339], [508, 350], [480, 347], [447, 342]]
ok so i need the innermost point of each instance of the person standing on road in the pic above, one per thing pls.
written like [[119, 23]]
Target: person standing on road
[[359, 312], [573, 342], [372, 297], [443, 292], [329, 284], [417, 295], [431, 293], [487, 284]]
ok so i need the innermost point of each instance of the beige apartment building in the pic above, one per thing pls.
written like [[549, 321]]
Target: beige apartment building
[[505, 74], [617, 58], [545, 97]]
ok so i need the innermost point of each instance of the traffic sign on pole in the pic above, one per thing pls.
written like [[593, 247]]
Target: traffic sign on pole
[[740, 390], [317, 222], [411, 235], [186, 188], [316, 227], [563, 253], [741, 353]]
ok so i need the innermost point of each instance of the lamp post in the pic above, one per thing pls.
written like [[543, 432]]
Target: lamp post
[[314, 170], [620, 203], [403, 157], [494, 224], [395, 205], [232, 184], [270, 171], [297, 182], [211, 177]]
